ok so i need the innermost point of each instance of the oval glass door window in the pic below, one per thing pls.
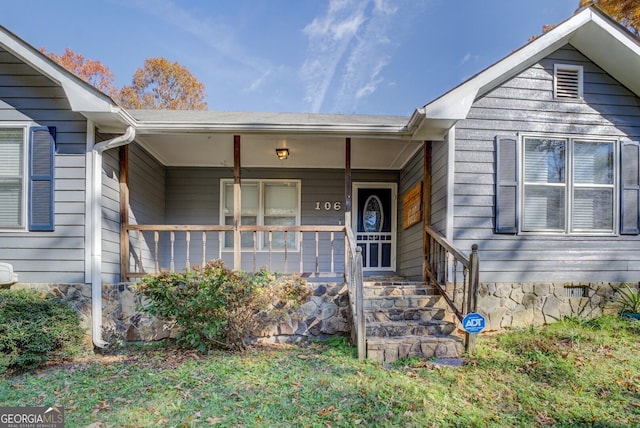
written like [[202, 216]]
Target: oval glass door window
[[373, 214]]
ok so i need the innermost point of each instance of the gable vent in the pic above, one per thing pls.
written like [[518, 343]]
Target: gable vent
[[567, 81]]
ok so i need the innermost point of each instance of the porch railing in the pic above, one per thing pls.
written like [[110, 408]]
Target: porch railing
[[330, 250], [288, 249], [454, 274]]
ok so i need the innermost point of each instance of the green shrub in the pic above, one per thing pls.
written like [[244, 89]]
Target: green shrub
[[216, 307], [35, 328]]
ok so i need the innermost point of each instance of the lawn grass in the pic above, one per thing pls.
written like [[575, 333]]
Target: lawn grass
[[572, 373]]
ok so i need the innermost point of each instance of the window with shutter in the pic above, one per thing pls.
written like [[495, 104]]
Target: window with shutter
[[567, 81], [12, 187]]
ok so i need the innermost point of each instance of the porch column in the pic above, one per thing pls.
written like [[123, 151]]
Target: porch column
[[347, 183], [426, 206], [124, 212], [237, 206]]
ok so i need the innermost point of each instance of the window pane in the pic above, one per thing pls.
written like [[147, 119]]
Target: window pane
[[593, 162], [593, 209], [246, 237], [10, 203], [544, 160], [249, 194], [11, 146], [280, 199], [544, 208], [277, 238]]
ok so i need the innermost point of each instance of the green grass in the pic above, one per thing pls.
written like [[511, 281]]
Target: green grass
[[573, 373]]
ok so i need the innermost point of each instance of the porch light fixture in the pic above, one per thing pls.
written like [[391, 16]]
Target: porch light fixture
[[282, 153]]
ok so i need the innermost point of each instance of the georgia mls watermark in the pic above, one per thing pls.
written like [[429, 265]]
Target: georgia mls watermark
[[31, 417]]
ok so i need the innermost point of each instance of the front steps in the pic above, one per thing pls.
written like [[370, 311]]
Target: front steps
[[407, 319]]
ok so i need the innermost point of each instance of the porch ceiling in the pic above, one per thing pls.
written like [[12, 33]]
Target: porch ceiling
[[258, 150]]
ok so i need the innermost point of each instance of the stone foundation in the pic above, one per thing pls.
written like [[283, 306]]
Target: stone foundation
[[506, 305], [325, 314]]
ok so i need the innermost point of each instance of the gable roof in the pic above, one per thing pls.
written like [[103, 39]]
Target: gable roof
[[605, 42], [82, 96]]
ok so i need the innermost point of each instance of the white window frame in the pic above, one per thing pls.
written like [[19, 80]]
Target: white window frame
[[23, 227], [261, 242], [570, 186], [568, 67]]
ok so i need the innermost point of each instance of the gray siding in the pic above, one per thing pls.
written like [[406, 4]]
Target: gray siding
[[439, 185], [58, 256], [147, 201], [409, 248], [525, 104], [110, 217]]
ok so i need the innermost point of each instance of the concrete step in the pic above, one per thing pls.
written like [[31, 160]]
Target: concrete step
[[388, 349], [409, 328]]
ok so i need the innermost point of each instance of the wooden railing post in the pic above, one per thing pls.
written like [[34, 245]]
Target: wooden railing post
[[361, 330], [472, 298]]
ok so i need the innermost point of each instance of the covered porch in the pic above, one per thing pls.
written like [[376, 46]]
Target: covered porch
[[191, 191]]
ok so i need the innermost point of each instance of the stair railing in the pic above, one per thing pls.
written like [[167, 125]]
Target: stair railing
[[455, 275], [354, 279]]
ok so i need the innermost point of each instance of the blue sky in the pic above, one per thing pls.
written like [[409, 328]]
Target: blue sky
[[333, 56]]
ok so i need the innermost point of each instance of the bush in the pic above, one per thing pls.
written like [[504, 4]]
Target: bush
[[35, 328], [216, 307]]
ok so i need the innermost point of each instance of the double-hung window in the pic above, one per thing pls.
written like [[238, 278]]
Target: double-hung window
[[264, 203], [12, 178], [566, 185], [569, 185]]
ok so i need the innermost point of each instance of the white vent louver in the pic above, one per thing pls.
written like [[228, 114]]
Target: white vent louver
[[567, 81]]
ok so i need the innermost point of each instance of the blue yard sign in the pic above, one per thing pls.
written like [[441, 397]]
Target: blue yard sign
[[473, 323]]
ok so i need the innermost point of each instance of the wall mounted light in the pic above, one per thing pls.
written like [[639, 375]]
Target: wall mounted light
[[282, 153]]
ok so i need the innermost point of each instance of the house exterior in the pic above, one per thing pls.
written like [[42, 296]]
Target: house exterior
[[535, 160]]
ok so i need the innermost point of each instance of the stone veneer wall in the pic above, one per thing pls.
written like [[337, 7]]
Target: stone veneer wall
[[325, 314], [506, 305]]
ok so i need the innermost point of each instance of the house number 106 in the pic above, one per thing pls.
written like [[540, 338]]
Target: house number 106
[[336, 206]]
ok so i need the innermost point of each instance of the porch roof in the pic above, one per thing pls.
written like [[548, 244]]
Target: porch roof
[[204, 138]]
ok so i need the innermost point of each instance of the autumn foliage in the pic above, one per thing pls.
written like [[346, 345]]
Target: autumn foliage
[[89, 70], [161, 84], [626, 12]]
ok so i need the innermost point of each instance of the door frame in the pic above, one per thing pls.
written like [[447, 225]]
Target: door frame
[[394, 217]]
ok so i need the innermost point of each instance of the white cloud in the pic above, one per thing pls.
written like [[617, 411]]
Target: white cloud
[[329, 37], [349, 47]]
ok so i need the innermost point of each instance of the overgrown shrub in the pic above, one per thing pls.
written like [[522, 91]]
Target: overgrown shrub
[[216, 307], [35, 328]]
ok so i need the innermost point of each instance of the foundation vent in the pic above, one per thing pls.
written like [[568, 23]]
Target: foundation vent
[[576, 291]]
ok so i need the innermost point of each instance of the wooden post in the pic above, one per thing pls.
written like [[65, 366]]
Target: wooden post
[[426, 208], [347, 192], [124, 212], [237, 206], [472, 300]]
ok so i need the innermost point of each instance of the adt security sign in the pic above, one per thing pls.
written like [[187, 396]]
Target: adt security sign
[[473, 323]]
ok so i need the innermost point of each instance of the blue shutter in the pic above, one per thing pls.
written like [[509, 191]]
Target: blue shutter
[[41, 170], [506, 185], [630, 188]]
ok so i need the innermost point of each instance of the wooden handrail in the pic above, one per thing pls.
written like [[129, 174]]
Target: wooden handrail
[[442, 267]]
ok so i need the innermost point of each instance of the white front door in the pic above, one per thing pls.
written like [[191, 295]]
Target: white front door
[[374, 224]]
